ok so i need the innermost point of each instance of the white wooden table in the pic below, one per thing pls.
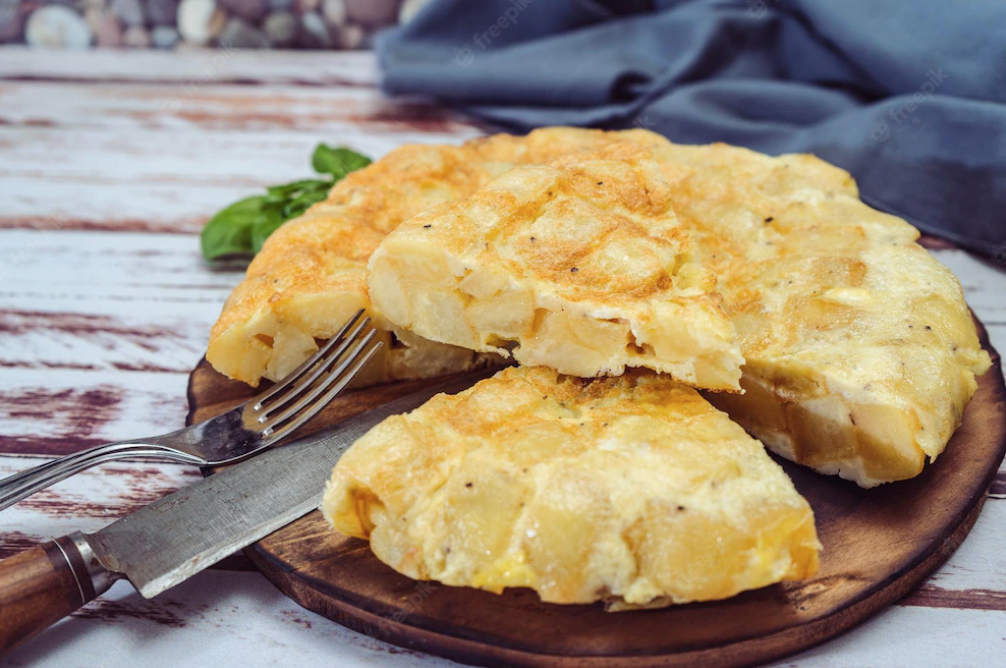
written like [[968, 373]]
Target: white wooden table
[[109, 164]]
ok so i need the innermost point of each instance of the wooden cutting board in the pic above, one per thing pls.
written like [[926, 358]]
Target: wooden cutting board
[[878, 545]]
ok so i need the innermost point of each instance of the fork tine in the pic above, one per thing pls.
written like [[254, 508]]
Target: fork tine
[[307, 381], [336, 376], [306, 365], [310, 412], [331, 375]]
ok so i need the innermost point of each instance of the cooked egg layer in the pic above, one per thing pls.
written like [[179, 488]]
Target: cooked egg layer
[[631, 490], [580, 265]]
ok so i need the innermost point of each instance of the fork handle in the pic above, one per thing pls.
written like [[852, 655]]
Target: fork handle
[[22, 485], [40, 586]]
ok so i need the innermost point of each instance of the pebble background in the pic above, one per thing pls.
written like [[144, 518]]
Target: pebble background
[[179, 24]]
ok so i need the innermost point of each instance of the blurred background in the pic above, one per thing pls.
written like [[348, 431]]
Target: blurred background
[[183, 24]]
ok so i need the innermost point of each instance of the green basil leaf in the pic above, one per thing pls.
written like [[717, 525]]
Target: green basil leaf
[[272, 214], [303, 202], [337, 161], [287, 190], [243, 227], [230, 231], [261, 231]]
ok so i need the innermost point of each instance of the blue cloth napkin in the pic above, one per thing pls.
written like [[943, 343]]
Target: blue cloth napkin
[[910, 97]]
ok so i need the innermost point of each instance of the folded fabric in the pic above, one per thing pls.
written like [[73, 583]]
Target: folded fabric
[[908, 97]]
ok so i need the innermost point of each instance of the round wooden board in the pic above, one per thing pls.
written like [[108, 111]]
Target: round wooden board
[[878, 545]]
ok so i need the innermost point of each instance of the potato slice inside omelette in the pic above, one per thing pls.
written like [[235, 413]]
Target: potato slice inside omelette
[[311, 275], [630, 490], [860, 352], [580, 265]]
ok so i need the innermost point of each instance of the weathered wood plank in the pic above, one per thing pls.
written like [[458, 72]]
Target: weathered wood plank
[[97, 335], [974, 577], [915, 637], [90, 301], [61, 340], [218, 618], [931, 596], [58, 411], [185, 157], [40, 201], [117, 266], [320, 111], [984, 284], [193, 67], [108, 180]]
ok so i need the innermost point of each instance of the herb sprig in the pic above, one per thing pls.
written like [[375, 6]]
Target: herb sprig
[[242, 227]]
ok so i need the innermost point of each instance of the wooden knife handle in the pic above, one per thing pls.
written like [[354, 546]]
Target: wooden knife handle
[[42, 585]]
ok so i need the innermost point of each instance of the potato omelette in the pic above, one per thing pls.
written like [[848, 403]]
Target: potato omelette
[[632, 490], [580, 265], [860, 353], [311, 274]]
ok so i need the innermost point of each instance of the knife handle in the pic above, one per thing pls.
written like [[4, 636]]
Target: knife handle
[[40, 586]]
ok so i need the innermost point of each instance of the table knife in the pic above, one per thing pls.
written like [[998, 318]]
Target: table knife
[[168, 541]]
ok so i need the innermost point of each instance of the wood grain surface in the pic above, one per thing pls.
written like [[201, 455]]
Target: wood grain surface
[[109, 164], [878, 545]]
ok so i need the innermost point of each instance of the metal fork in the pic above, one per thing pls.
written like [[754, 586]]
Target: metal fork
[[255, 425]]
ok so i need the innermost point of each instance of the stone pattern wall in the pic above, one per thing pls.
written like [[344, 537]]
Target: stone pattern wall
[[180, 24]]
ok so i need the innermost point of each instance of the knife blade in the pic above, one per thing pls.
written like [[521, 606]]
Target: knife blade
[[168, 541]]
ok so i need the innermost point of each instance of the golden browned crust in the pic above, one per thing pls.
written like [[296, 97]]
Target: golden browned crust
[[311, 274], [632, 490], [860, 351], [580, 264]]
